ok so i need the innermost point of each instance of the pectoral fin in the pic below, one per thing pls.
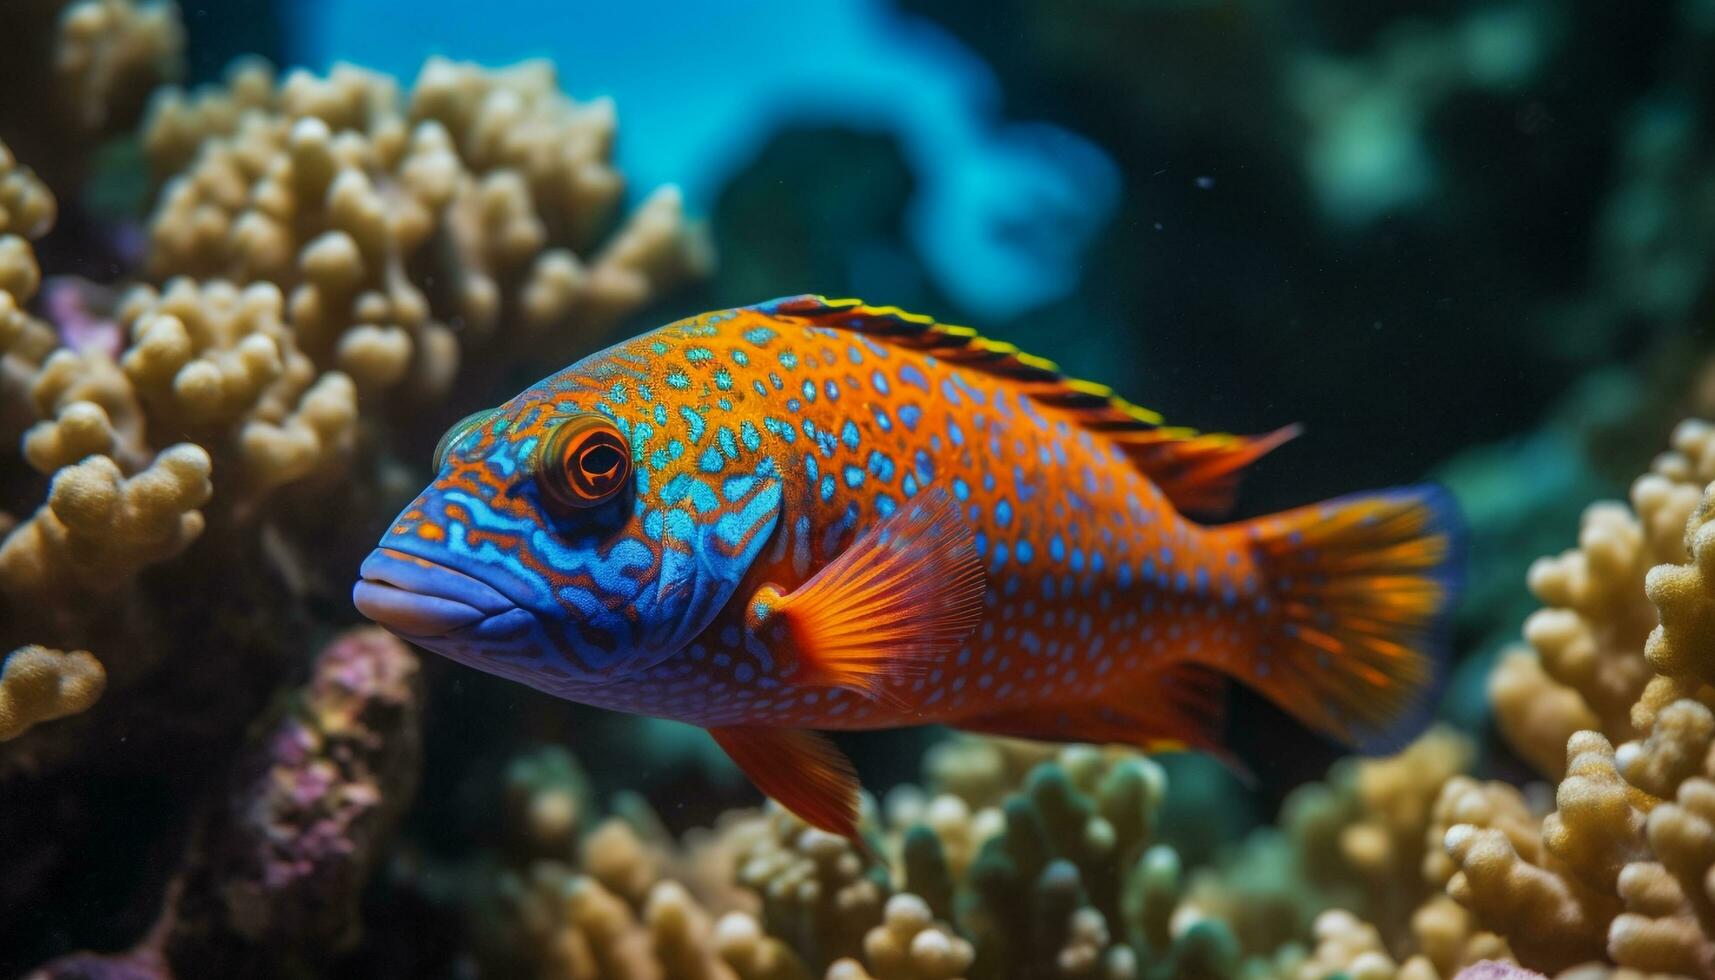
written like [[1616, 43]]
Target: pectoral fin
[[802, 770], [901, 598]]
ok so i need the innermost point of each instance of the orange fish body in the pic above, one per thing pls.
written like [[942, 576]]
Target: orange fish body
[[814, 514]]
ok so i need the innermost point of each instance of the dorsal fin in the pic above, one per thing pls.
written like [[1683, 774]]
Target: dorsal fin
[[1197, 471]]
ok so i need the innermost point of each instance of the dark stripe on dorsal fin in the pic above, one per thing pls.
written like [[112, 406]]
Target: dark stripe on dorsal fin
[[1198, 471]]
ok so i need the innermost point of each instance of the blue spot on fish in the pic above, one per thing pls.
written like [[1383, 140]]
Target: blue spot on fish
[[694, 422]]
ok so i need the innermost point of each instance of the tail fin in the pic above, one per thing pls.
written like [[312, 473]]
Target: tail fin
[[1361, 590]]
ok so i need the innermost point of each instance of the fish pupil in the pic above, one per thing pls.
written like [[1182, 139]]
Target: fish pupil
[[600, 462]]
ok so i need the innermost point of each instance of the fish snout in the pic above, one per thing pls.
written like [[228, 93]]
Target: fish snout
[[415, 597]]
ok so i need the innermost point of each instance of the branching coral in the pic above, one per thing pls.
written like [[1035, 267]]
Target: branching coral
[[111, 50], [1621, 868], [38, 684], [1588, 670], [325, 256], [312, 239], [100, 527], [88, 67], [27, 209], [910, 945], [815, 891], [1357, 843], [393, 223], [577, 893]]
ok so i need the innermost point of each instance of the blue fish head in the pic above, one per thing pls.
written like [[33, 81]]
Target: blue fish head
[[562, 559]]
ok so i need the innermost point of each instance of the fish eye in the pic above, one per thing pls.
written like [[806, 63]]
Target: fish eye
[[585, 461], [459, 430]]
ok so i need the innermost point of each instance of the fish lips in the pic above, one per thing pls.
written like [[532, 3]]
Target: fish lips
[[420, 599]]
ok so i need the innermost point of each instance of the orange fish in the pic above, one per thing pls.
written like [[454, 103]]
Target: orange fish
[[814, 514]]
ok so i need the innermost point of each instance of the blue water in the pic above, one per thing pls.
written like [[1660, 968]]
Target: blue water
[[1005, 208]]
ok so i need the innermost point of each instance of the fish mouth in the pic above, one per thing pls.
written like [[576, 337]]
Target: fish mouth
[[418, 598]]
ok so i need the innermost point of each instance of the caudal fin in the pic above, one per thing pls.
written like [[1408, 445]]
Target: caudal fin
[[1359, 591]]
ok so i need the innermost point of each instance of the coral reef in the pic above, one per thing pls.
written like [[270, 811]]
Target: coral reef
[[1618, 868], [1029, 863], [325, 237], [248, 388], [400, 227], [1585, 668]]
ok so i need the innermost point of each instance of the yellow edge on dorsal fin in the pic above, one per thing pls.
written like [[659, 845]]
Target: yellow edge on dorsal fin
[[1198, 471]]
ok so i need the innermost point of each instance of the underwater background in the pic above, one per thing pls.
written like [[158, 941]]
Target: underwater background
[[1463, 242]]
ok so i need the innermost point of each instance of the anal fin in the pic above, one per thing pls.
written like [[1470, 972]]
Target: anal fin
[[802, 770], [1178, 707]]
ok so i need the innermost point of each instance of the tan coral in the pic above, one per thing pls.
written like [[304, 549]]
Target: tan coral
[[110, 50], [1485, 805], [1683, 644], [1546, 918], [98, 527], [1395, 799], [23, 338], [396, 223], [27, 208], [1682, 836], [812, 883], [19, 274], [683, 936], [1534, 713], [180, 122], [981, 771], [1598, 823], [81, 429], [215, 357], [38, 684], [572, 928], [1656, 933], [1595, 617], [25, 341], [754, 954], [83, 398], [1348, 946], [910, 945], [617, 857], [1590, 636], [1448, 937], [1626, 856]]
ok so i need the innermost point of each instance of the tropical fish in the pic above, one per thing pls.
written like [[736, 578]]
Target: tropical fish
[[815, 514]]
